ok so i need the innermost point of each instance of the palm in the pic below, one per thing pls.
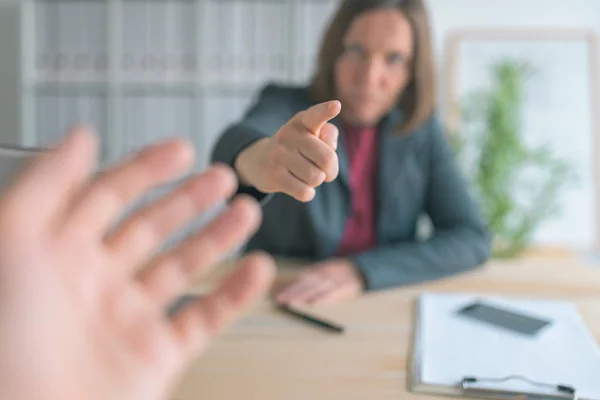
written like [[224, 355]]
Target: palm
[[96, 295]]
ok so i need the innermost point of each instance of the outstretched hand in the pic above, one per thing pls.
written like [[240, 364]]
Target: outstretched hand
[[82, 304]]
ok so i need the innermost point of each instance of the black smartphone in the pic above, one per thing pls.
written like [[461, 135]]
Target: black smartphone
[[503, 318]]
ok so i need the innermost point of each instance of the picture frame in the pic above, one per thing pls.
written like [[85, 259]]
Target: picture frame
[[562, 106]]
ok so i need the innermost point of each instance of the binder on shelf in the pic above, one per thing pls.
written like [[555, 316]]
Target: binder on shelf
[[456, 356]]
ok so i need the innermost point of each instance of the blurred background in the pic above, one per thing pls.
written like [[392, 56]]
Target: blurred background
[[518, 86]]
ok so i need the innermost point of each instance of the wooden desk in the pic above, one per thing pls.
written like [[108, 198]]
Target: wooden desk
[[268, 356]]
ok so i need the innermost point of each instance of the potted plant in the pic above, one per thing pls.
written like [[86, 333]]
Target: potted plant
[[517, 185]]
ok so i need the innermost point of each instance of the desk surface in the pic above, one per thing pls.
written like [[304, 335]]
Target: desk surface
[[267, 355]]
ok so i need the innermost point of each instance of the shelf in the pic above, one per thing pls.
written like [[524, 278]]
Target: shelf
[[180, 86], [225, 74], [185, 89], [71, 78]]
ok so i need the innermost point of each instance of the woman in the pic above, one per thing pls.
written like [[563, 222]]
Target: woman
[[352, 205]]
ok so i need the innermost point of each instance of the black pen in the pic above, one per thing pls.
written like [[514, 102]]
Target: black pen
[[310, 319]]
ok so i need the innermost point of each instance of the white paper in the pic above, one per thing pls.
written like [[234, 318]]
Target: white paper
[[454, 346]]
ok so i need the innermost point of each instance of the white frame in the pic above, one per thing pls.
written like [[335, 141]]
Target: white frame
[[453, 64]]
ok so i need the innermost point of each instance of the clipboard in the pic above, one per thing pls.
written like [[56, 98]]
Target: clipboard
[[502, 384], [468, 388]]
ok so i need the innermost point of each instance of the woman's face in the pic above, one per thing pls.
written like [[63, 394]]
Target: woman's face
[[374, 67]]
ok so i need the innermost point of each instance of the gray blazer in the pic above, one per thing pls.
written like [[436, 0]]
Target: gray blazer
[[418, 175]]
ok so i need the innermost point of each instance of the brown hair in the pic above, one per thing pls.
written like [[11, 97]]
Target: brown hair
[[417, 102]]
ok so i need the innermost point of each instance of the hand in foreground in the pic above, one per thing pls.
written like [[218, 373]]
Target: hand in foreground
[[326, 282], [82, 306], [298, 158]]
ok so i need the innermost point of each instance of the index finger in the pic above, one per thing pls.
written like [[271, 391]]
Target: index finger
[[54, 175], [318, 115], [116, 188]]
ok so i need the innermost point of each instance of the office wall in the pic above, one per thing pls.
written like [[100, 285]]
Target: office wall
[[448, 16]]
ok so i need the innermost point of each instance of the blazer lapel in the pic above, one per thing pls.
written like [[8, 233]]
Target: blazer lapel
[[392, 154]]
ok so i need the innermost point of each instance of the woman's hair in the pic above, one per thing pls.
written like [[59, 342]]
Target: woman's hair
[[417, 102]]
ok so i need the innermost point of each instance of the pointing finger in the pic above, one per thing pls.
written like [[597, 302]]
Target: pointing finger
[[315, 117]]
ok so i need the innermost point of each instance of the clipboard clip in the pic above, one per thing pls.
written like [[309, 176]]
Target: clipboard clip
[[562, 391]]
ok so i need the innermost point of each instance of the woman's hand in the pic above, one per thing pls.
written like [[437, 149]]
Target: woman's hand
[[329, 281], [298, 158]]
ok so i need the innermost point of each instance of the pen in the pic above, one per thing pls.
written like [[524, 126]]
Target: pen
[[310, 319]]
